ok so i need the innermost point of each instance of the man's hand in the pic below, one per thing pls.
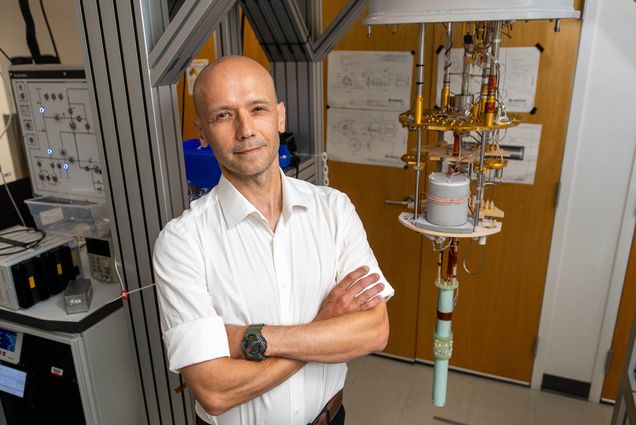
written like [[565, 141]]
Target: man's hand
[[348, 296], [351, 295]]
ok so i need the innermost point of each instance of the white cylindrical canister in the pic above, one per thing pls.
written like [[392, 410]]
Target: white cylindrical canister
[[447, 203]]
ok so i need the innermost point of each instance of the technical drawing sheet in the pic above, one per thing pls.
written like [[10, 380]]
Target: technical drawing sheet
[[522, 143], [366, 93], [524, 139], [365, 137], [519, 73]]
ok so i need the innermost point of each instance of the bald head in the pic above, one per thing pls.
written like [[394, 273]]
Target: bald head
[[223, 71]]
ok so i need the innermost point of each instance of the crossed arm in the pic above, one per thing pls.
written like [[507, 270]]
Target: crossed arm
[[351, 322]]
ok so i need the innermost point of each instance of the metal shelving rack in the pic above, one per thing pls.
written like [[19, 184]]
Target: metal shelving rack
[[625, 408]]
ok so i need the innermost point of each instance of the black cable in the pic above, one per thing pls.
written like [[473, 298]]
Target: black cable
[[29, 245], [31, 39], [57, 55], [5, 54]]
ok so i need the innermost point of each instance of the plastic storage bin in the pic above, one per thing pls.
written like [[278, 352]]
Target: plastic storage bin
[[62, 215], [202, 168]]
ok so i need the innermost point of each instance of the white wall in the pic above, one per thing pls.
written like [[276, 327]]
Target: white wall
[[595, 218], [62, 18]]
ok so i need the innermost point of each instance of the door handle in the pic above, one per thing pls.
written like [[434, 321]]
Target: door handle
[[407, 202]]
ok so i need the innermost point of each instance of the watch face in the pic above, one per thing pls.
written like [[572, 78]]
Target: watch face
[[255, 346]]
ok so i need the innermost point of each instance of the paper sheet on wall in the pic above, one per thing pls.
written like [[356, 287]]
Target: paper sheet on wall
[[522, 143], [365, 137], [519, 73], [366, 93], [196, 66], [370, 80], [523, 139]]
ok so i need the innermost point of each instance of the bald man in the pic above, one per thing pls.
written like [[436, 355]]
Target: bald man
[[267, 285]]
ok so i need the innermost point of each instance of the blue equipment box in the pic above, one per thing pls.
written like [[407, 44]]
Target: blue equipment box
[[202, 168]]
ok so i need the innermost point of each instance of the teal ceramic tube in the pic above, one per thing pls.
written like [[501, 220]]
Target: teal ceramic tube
[[443, 340]]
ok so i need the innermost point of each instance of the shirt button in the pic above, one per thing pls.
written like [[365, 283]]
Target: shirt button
[[296, 412], [284, 286]]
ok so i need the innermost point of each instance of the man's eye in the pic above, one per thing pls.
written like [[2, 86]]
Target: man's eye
[[259, 109], [222, 115]]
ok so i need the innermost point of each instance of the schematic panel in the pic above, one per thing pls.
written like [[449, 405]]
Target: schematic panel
[[53, 106]]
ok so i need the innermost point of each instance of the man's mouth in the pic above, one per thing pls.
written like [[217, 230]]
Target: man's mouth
[[249, 150]]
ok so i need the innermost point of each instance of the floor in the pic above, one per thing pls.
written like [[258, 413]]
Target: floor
[[384, 391]]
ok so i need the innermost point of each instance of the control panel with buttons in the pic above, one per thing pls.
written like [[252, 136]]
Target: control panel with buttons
[[58, 130]]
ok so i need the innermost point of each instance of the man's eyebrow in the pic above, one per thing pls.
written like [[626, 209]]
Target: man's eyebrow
[[258, 101]]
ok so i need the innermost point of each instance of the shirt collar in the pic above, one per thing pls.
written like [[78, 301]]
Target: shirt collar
[[236, 207]]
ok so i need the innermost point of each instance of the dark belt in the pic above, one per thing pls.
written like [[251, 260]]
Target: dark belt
[[326, 415], [329, 411]]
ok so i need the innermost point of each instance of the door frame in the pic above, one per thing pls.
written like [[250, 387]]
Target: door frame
[[590, 33]]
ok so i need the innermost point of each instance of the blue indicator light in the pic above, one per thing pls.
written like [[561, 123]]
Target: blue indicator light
[[66, 166], [41, 109], [49, 151]]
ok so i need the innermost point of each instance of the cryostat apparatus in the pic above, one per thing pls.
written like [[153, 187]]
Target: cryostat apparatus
[[451, 203]]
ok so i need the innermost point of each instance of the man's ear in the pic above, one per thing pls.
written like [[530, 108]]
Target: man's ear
[[280, 107], [197, 125]]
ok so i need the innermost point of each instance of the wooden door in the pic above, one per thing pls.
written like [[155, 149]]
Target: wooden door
[[622, 329], [397, 249], [497, 314]]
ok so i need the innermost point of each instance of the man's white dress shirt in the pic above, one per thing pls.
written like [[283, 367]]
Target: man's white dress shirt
[[220, 263]]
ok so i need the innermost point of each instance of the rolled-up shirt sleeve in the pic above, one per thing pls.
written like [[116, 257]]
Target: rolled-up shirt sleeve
[[353, 247], [193, 332]]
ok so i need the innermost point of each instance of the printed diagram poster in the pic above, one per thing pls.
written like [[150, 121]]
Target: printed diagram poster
[[192, 72], [366, 137], [366, 93], [522, 142], [519, 73]]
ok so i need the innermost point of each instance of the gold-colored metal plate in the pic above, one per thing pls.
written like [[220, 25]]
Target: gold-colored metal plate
[[495, 164], [437, 152], [436, 120]]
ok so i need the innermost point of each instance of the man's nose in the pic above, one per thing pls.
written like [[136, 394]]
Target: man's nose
[[245, 125]]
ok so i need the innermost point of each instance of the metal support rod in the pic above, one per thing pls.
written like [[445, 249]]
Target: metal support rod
[[493, 86], [485, 73], [447, 65], [419, 106], [480, 177], [468, 54], [493, 83]]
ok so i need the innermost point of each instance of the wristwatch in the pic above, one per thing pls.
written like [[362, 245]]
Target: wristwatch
[[254, 344]]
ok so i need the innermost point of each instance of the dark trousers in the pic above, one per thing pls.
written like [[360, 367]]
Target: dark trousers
[[339, 419]]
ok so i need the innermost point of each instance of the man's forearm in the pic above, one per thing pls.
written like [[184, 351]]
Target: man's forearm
[[223, 383], [334, 340]]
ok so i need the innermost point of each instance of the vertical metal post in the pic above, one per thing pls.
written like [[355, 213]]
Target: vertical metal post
[[468, 52], [493, 82], [419, 106], [493, 85], [228, 35], [448, 45]]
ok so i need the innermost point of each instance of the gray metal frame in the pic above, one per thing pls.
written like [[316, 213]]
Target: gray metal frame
[[105, 376], [625, 407], [134, 56]]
